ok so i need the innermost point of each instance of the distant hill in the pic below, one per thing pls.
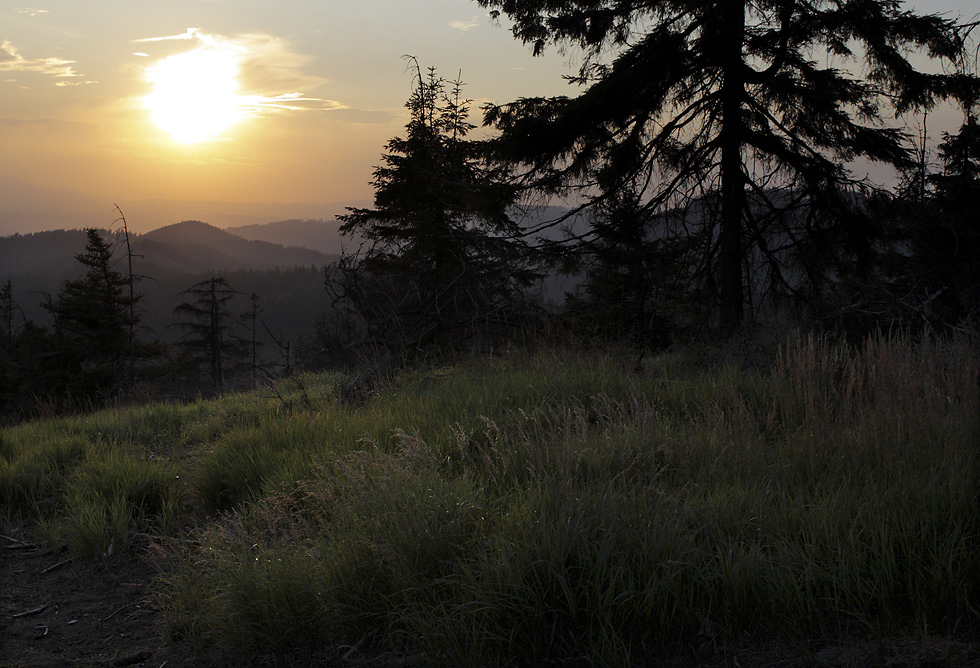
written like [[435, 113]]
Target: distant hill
[[190, 247], [324, 235], [193, 246], [145, 215], [288, 280], [318, 234]]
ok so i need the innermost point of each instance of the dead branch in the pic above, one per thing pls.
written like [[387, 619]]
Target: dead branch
[[21, 544], [118, 610], [58, 565]]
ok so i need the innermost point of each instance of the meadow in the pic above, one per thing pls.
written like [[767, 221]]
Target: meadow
[[564, 506]]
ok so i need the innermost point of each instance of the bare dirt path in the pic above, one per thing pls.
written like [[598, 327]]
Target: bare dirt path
[[55, 611]]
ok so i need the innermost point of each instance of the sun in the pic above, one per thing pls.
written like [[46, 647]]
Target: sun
[[195, 94]]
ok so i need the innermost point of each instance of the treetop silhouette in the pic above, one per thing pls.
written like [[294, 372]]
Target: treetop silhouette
[[729, 102], [441, 252]]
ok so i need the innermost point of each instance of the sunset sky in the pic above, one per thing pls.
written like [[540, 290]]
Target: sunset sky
[[103, 96]]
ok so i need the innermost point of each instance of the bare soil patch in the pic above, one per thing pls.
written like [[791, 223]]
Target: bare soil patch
[[56, 611]]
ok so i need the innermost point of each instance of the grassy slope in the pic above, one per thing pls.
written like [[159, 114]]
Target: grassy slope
[[559, 506]]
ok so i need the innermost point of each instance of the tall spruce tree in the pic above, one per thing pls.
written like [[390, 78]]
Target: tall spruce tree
[[8, 358], [93, 321], [211, 343], [250, 320], [945, 235], [32, 366], [747, 106], [441, 261]]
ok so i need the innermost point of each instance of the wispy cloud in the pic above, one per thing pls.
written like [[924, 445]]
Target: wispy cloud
[[31, 11], [12, 61], [190, 33], [464, 26], [271, 74], [63, 83]]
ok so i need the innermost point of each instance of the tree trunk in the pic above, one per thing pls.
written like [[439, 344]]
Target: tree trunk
[[731, 35]]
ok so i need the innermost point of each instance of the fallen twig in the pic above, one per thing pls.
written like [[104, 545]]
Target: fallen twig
[[58, 565], [31, 612], [21, 544], [118, 610]]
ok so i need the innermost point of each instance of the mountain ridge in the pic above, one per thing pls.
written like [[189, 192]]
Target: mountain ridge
[[188, 244], [187, 247]]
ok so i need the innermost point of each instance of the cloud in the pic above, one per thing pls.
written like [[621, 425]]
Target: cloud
[[464, 26], [190, 33], [31, 11], [12, 61], [291, 102], [270, 67], [271, 76]]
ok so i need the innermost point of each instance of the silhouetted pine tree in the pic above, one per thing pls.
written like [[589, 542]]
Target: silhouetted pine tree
[[250, 319], [442, 263], [730, 103], [30, 374], [211, 343], [93, 321]]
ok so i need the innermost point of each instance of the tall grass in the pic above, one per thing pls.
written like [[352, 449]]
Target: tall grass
[[560, 507], [564, 508], [90, 481]]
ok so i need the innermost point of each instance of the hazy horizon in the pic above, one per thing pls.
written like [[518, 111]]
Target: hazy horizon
[[26, 208]]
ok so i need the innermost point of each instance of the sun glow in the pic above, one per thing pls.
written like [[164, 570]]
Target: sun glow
[[195, 94]]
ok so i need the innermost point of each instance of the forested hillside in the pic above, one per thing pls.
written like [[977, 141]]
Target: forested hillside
[[67, 294], [288, 280]]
